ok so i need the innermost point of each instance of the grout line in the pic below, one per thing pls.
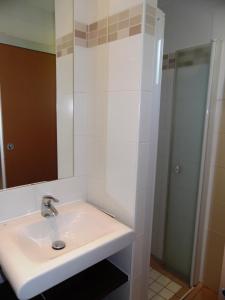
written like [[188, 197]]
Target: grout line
[[166, 286]]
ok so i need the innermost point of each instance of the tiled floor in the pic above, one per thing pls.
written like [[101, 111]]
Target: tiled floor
[[165, 286], [162, 287]]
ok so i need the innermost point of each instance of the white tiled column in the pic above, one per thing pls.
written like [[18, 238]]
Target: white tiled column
[[115, 91], [147, 154]]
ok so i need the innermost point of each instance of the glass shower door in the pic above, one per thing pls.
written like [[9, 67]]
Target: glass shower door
[[190, 98]]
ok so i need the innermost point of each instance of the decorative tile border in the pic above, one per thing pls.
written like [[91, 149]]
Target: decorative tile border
[[187, 57], [124, 24], [195, 56], [65, 45], [81, 34], [150, 19], [169, 61]]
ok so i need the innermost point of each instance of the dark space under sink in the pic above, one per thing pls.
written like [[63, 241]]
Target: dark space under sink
[[94, 283]]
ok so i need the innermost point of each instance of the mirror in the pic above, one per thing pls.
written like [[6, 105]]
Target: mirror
[[36, 110]]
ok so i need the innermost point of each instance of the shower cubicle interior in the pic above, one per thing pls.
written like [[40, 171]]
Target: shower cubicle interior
[[182, 123]]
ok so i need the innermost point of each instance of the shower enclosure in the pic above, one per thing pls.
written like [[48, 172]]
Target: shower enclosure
[[182, 124]]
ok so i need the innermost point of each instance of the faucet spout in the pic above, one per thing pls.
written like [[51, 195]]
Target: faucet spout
[[47, 208]]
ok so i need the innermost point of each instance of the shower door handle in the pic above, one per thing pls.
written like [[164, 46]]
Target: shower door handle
[[177, 169]]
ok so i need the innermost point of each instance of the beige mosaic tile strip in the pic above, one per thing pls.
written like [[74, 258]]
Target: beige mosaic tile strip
[[118, 26], [194, 56], [169, 61], [65, 45], [81, 34], [187, 57], [150, 19]]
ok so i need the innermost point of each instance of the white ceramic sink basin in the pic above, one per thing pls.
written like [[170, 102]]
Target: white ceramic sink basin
[[30, 263]]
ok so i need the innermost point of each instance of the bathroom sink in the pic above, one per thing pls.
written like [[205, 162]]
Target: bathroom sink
[[31, 264]]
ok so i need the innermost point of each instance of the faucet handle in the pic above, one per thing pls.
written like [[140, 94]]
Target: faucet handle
[[47, 199]]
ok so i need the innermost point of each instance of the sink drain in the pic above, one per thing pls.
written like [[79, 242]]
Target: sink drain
[[58, 245]]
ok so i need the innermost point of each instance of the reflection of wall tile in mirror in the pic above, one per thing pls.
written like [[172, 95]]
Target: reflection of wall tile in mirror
[[64, 45]]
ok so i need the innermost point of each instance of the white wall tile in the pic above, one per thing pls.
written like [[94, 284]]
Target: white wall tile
[[16, 202], [99, 114], [102, 9], [144, 164], [121, 176], [84, 10], [146, 116], [84, 69], [82, 113], [101, 57], [81, 156], [96, 192], [123, 116], [125, 58], [65, 190], [96, 159], [148, 62], [116, 6]]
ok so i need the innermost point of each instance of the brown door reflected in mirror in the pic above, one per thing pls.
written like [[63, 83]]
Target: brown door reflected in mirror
[[28, 96]]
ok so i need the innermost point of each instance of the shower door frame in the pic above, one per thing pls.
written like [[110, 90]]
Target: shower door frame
[[194, 275], [206, 172]]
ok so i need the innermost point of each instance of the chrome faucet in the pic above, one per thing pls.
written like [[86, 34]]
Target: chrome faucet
[[47, 208]]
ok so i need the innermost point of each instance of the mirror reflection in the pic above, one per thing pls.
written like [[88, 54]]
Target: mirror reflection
[[28, 94]]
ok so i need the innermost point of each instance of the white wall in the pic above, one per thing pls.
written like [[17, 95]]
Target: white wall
[[191, 23], [26, 24]]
